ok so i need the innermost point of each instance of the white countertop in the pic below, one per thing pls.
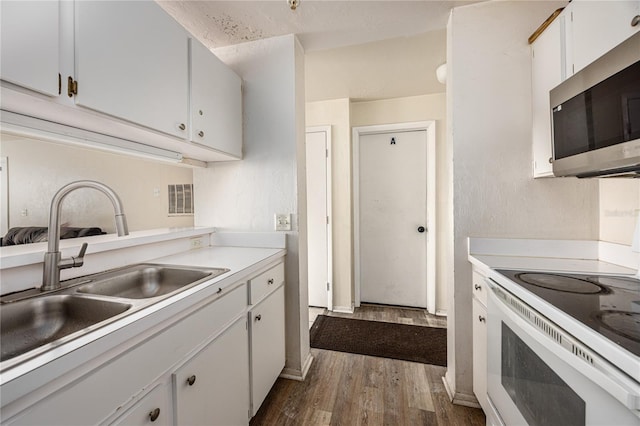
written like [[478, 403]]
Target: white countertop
[[241, 262], [26, 254], [548, 264]]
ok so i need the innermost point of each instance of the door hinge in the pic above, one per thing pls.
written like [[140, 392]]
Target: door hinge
[[72, 87], [327, 220], [328, 286], [326, 153], [59, 84]]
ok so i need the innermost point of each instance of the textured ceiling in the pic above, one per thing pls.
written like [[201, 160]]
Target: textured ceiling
[[319, 24]]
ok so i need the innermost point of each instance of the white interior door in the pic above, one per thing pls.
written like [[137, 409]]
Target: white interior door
[[318, 216], [393, 218]]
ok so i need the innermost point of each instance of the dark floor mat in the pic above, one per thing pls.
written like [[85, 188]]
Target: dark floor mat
[[416, 343]]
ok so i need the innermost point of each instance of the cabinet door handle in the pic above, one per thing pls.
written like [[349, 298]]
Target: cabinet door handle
[[270, 281], [191, 380], [154, 414], [219, 290], [481, 318], [635, 21], [258, 317], [201, 134], [477, 287], [182, 126]]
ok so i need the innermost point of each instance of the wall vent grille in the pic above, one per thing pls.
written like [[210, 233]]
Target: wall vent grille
[[181, 200]]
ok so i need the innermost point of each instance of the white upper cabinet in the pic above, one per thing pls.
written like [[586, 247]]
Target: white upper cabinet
[[131, 62], [30, 44], [598, 26], [548, 69], [216, 102]]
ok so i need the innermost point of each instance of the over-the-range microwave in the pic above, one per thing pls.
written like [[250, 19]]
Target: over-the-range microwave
[[595, 116]]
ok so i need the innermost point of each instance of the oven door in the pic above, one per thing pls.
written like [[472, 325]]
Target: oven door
[[534, 379]]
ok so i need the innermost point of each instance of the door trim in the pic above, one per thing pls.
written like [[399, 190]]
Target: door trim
[[327, 131], [430, 128]]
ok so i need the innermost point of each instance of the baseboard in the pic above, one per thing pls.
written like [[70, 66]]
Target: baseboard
[[295, 374], [459, 398], [343, 309]]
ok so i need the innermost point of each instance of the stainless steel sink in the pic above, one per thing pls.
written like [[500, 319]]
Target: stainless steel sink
[[32, 323], [146, 281]]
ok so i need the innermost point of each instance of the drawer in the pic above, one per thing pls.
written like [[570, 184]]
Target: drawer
[[265, 283], [479, 288]]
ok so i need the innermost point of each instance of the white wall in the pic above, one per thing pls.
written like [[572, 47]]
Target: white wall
[[38, 169], [489, 115], [619, 208], [245, 195], [384, 69]]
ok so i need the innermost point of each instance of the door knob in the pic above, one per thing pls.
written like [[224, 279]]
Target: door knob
[[421, 229]]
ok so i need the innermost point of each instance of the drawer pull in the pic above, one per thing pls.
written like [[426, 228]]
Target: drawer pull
[[481, 318], [219, 290], [477, 287], [154, 414], [635, 21], [270, 281], [191, 380], [201, 134], [258, 317], [182, 126]]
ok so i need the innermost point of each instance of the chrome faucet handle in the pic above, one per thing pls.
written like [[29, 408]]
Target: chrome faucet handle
[[74, 261]]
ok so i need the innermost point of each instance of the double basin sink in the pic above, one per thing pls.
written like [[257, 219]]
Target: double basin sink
[[34, 323]]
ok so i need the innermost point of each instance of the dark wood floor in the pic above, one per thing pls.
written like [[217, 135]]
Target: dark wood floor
[[349, 389]]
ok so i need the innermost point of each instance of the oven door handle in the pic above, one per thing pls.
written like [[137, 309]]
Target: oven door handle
[[601, 372]]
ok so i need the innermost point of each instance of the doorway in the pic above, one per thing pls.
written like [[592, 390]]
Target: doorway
[[318, 160], [394, 214]]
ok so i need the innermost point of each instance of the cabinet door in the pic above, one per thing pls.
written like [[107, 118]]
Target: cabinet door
[[212, 388], [216, 102], [480, 353], [598, 26], [30, 44], [132, 62], [153, 409], [267, 346], [547, 71]]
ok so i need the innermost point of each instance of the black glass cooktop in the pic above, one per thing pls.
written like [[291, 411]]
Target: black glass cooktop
[[608, 304]]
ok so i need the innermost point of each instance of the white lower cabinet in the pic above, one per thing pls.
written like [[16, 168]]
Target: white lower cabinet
[[212, 387], [212, 362], [479, 328], [480, 353], [266, 321], [154, 408]]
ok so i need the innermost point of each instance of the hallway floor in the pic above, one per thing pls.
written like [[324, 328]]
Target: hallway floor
[[349, 389]]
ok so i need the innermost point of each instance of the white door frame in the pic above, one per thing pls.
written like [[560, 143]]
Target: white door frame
[[327, 131], [430, 128]]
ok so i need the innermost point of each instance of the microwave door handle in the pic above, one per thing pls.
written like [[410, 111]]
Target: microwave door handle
[[606, 376]]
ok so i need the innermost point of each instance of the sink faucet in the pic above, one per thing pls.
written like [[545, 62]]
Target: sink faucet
[[53, 261]]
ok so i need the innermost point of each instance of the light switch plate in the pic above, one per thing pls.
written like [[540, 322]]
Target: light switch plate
[[283, 222]]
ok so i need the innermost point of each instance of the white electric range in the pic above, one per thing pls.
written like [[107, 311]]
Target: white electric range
[[564, 348]]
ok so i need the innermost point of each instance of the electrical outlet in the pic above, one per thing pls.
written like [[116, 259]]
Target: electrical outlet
[[196, 243], [283, 222]]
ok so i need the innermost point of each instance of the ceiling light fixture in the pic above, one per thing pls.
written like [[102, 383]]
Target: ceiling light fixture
[[293, 4]]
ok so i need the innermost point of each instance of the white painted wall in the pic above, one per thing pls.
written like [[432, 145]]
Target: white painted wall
[[619, 208], [37, 169], [245, 195], [335, 113], [419, 108], [489, 116], [385, 69]]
